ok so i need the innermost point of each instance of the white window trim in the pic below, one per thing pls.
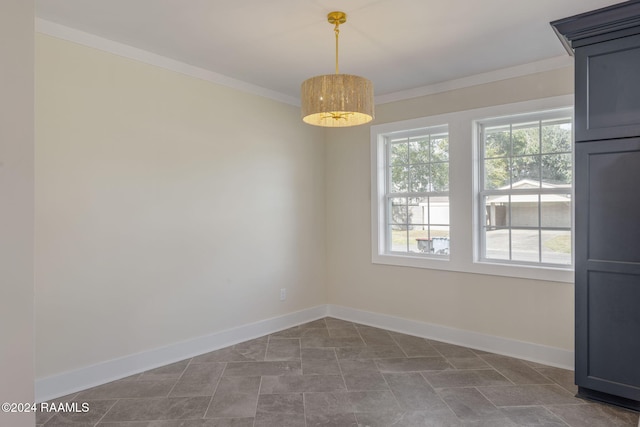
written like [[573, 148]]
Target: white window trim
[[387, 184], [507, 121], [463, 190]]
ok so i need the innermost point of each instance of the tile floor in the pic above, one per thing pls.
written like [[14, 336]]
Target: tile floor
[[335, 373]]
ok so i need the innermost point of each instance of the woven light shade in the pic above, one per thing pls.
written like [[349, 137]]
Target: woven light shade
[[337, 100]]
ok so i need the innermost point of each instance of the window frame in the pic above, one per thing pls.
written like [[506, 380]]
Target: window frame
[[463, 193], [389, 139], [510, 120]]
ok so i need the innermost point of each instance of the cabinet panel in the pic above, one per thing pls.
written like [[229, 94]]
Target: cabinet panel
[[607, 263], [613, 317], [607, 89], [613, 204]]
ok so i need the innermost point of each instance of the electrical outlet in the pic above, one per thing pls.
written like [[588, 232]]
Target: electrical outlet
[[283, 294]]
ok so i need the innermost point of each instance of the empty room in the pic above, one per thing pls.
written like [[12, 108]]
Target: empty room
[[319, 213]]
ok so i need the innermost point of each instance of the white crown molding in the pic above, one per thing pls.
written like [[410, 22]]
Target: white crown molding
[[76, 36], [91, 40], [478, 79]]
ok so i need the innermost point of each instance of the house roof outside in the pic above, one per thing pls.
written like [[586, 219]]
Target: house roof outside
[[531, 198]]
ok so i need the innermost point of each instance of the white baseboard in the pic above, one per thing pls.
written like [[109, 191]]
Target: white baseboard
[[538, 353], [101, 373]]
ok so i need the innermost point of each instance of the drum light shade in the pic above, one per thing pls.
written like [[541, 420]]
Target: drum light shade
[[337, 100]]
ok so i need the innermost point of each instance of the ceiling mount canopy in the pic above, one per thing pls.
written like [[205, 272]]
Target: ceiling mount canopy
[[337, 100]]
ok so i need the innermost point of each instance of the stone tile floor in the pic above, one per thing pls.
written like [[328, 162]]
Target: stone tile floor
[[335, 373]]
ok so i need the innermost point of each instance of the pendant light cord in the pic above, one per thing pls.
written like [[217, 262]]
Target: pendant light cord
[[337, 31]]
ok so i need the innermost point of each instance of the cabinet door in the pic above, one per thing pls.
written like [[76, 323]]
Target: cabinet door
[[608, 267], [608, 89]]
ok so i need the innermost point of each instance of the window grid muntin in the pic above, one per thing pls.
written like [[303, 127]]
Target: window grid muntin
[[550, 118]]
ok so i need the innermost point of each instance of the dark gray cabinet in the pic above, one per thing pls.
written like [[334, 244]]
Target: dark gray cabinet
[[607, 90], [606, 45]]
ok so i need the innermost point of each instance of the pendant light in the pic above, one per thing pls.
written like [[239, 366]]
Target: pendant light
[[337, 100]]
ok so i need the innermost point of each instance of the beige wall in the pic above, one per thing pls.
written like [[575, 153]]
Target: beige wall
[[526, 310], [16, 208], [167, 207]]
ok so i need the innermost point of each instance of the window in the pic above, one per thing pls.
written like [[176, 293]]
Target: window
[[485, 191], [525, 209], [417, 192]]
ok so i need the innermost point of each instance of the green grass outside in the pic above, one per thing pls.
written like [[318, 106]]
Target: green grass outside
[[561, 244]]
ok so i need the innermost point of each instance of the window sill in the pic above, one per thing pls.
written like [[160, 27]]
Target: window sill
[[544, 273]]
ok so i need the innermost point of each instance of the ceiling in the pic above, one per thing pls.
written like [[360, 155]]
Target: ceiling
[[400, 45]]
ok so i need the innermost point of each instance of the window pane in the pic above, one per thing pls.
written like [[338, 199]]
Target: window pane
[[399, 225], [399, 214], [556, 169], [496, 211], [434, 241], [399, 240], [497, 244], [496, 173], [525, 138], [419, 211], [419, 240], [556, 247], [525, 168], [440, 176], [524, 210], [556, 210], [525, 245], [419, 179], [399, 153], [439, 211], [439, 148], [556, 136], [399, 179], [419, 150], [440, 240], [497, 141]]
